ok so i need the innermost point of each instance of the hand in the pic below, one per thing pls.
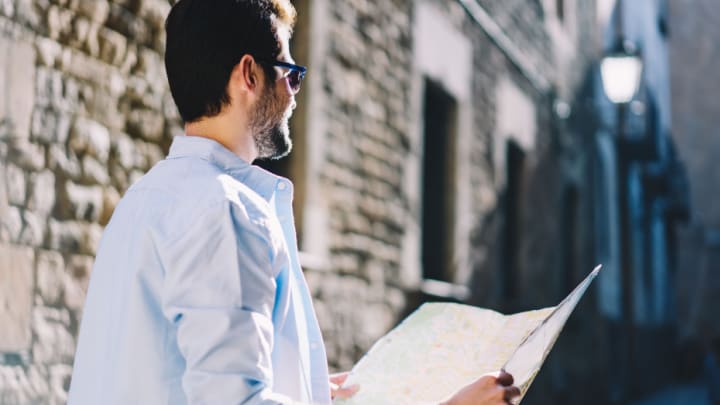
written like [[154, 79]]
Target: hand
[[336, 381], [490, 389]]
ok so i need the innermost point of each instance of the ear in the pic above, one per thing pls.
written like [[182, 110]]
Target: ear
[[245, 76]]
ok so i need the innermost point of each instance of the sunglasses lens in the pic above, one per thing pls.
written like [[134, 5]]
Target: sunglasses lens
[[295, 78]]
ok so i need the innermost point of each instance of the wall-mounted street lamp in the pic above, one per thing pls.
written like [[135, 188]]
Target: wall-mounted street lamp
[[621, 70]]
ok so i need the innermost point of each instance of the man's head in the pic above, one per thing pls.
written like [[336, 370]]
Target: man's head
[[212, 45]]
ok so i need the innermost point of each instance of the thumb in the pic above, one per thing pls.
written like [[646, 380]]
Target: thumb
[[345, 392]]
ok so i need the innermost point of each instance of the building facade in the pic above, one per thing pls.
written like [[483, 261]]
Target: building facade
[[442, 152], [694, 125]]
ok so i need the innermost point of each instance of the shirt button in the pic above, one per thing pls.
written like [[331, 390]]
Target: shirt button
[[281, 186], [313, 346]]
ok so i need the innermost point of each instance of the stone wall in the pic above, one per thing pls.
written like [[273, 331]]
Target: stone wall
[[366, 72], [85, 111], [366, 88], [694, 125]]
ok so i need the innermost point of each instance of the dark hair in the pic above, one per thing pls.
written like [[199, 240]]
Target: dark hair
[[207, 38]]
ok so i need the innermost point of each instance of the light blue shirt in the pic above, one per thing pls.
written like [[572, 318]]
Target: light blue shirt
[[197, 295]]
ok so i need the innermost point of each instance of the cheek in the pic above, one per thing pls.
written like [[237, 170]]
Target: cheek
[[285, 98], [286, 86]]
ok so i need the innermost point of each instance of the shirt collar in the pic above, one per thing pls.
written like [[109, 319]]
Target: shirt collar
[[260, 180]]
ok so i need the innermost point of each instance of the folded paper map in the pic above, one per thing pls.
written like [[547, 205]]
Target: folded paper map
[[442, 347]]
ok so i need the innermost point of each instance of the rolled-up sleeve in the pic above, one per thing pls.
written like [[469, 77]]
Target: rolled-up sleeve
[[219, 292]]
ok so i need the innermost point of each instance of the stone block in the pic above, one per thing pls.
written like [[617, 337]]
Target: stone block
[[17, 77], [48, 51], [125, 22], [151, 67], [113, 46], [91, 137], [53, 342], [65, 236], [110, 200], [64, 162], [79, 268], [16, 297], [50, 270], [23, 385], [42, 192], [146, 124], [130, 61], [27, 155], [154, 12], [92, 42], [84, 67], [74, 236], [7, 8], [16, 183], [11, 224], [140, 93], [94, 172], [80, 32], [124, 151], [60, 375], [31, 12], [48, 87], [33, 231], [91, 239], [43, 125], [80, 202], [96, 10], [4, 201], [104, 109], [76, 280], [116, 85], [119, 178], [59, 24]]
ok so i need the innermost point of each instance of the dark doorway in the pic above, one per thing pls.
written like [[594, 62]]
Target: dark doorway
[[515, 162], [440, 110]]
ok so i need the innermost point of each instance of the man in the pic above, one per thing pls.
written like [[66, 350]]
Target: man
[[197, 295]]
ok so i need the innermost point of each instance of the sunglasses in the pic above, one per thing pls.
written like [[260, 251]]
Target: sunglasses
[[295, 74]]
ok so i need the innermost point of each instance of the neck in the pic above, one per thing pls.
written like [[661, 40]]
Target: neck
[[231, 132]]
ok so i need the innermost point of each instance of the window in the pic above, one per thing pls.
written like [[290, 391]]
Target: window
[[560, 9], [512, 198], [663, 24], [439, 132]]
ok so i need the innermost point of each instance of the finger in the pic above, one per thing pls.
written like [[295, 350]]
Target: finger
[[505, 379], [511, 392], [339, 378], [345, 393]]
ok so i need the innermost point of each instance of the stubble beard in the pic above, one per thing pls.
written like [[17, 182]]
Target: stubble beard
[[270, 128]]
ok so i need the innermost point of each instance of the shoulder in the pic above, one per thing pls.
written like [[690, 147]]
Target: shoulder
[[192, 191]]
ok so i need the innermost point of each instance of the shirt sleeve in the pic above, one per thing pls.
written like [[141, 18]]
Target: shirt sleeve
[[219, 292]]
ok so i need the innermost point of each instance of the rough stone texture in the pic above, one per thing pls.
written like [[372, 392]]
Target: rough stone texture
[[91, 112], [16, 297], [50, 269], [16, 185], [82, 92], [42, 194], [16, 78]]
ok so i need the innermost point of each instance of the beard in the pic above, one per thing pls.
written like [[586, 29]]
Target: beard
[[269, 125]]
